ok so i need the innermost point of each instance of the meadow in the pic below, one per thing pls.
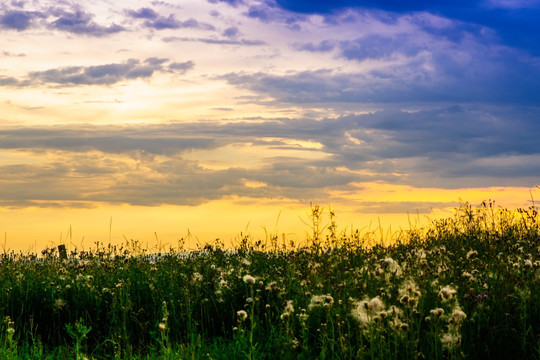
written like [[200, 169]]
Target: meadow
[[464, 287]]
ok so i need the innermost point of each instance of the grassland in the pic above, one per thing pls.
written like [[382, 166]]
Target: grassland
[[463, 287]]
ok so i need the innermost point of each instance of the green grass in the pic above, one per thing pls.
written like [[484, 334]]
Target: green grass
[[463, 287]]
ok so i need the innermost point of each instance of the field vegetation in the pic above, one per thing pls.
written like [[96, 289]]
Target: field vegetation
[[464, 287]]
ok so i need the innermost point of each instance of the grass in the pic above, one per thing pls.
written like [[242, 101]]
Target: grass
[[464, 287]]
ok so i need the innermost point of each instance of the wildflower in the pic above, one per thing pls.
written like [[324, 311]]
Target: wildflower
[[59, 304], [409, 293], [242, 315], [197, 277], [162, 326], [471, 253], [303, 316], [289, 306], [394, 311], [392, 265], [467, 275], [447, 293], [321, 300], [528, 263], [328, 301], [437, 312], [369, 310], [457, 316], [273, 286], [289, 309], [375, 304], [450, 340], [248, 279]]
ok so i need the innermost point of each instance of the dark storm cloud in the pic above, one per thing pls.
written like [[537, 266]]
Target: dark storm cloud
[[499, 78], [106, 74], [515, 26]]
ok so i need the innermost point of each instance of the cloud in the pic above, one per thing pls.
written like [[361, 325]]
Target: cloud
[[148, 164], [231, 32], [171, 22], [18, 19], [244, 42], [142, 13], [234, 3], [182, 67], [269, 12], [159, 22], [407, 70], [10, 54], [515, 25], [79, 22], [323, 46], [106, 74]]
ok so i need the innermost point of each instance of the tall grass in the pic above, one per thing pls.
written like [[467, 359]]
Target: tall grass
[[464, 287]]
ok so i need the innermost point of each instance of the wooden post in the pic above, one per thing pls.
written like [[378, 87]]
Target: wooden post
[[62, 251]]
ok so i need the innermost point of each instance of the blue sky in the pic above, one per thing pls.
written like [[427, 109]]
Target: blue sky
[[187, 103]]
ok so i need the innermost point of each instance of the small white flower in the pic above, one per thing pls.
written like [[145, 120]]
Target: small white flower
[[248, 279]]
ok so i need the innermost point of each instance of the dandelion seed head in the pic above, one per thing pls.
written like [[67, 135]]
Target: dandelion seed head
[[457, 316], [273, 286], [449, 340], [242, 315], [375, 304], [447, 293]]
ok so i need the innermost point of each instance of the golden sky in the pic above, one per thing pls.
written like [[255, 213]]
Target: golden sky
[[150, 120]]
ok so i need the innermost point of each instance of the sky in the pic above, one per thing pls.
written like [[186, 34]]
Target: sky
[[204, 119]]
